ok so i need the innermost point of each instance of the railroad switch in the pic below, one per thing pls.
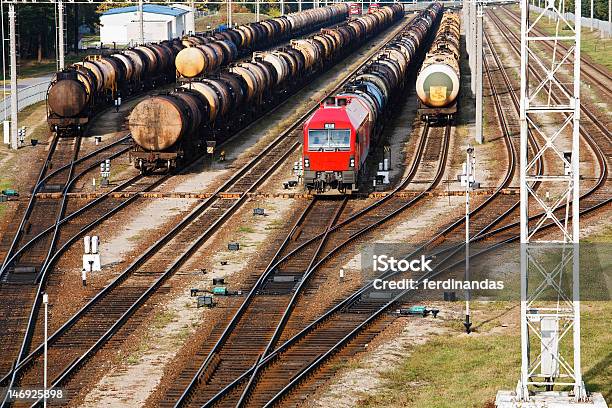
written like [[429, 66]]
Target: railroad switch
[[258, 211], [418, 311], [233, 246]]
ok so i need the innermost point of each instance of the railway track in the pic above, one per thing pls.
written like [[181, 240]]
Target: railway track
[[217, 210], [317, 340], [593, 130], [591, 71], [267, 303], [102, 317], [34, 243], [203, 387], [17, 289]]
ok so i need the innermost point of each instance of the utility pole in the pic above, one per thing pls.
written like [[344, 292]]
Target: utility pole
[[479, 73], [141, 21], [13, 61], [592, 16], [60, 35], [282, 7], [299, 5], [257, 10], [229, 13], [193, 13], [473, 45]]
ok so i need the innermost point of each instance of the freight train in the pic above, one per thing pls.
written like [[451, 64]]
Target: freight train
[[338, 137], [80, 90], [437, 84], [83, 89], [172, 129], [204, 55]]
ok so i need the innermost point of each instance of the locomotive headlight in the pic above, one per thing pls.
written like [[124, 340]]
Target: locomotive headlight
[[306, 162], [352, 162]]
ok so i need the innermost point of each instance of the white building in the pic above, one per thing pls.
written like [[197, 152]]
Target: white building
[[189, 17], [122, 26]]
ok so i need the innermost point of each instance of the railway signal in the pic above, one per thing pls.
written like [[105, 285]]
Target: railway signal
[[21, 135], [105, 169], [468, 180]]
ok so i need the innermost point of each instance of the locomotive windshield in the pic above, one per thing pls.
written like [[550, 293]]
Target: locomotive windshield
[[329, 139]]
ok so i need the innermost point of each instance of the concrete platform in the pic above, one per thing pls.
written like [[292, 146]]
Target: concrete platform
[[552, 399]]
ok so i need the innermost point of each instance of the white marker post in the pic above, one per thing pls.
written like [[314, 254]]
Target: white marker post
[[46, 303]]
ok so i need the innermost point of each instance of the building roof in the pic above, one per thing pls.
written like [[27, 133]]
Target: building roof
[[148, 8]]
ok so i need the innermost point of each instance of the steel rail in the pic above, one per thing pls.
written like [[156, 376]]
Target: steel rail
[[303, 373], [479, 235], [60, 221], [603, 128], [307, 370], [591, 64], [276, 262], [440, 172], [292, 302], [42, 179], [166, 274], [276, 141]]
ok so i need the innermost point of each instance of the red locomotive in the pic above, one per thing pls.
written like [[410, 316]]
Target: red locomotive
[[336, 142], [345, 128]]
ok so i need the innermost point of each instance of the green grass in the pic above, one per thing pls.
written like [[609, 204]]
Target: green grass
[[215, 20], [164, 318], [454, 370], [33, 68], [248, 230], [461, 371], [276, 224]]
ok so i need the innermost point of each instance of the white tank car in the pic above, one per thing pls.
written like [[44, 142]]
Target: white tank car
[[437, 84]]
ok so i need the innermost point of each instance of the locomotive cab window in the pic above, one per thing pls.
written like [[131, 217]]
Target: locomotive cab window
[[329, 140]]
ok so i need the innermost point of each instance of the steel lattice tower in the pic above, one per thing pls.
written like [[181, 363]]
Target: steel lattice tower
[[550, 110]]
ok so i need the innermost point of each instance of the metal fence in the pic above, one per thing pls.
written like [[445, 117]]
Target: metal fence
[[603, 26], [25, 97]]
